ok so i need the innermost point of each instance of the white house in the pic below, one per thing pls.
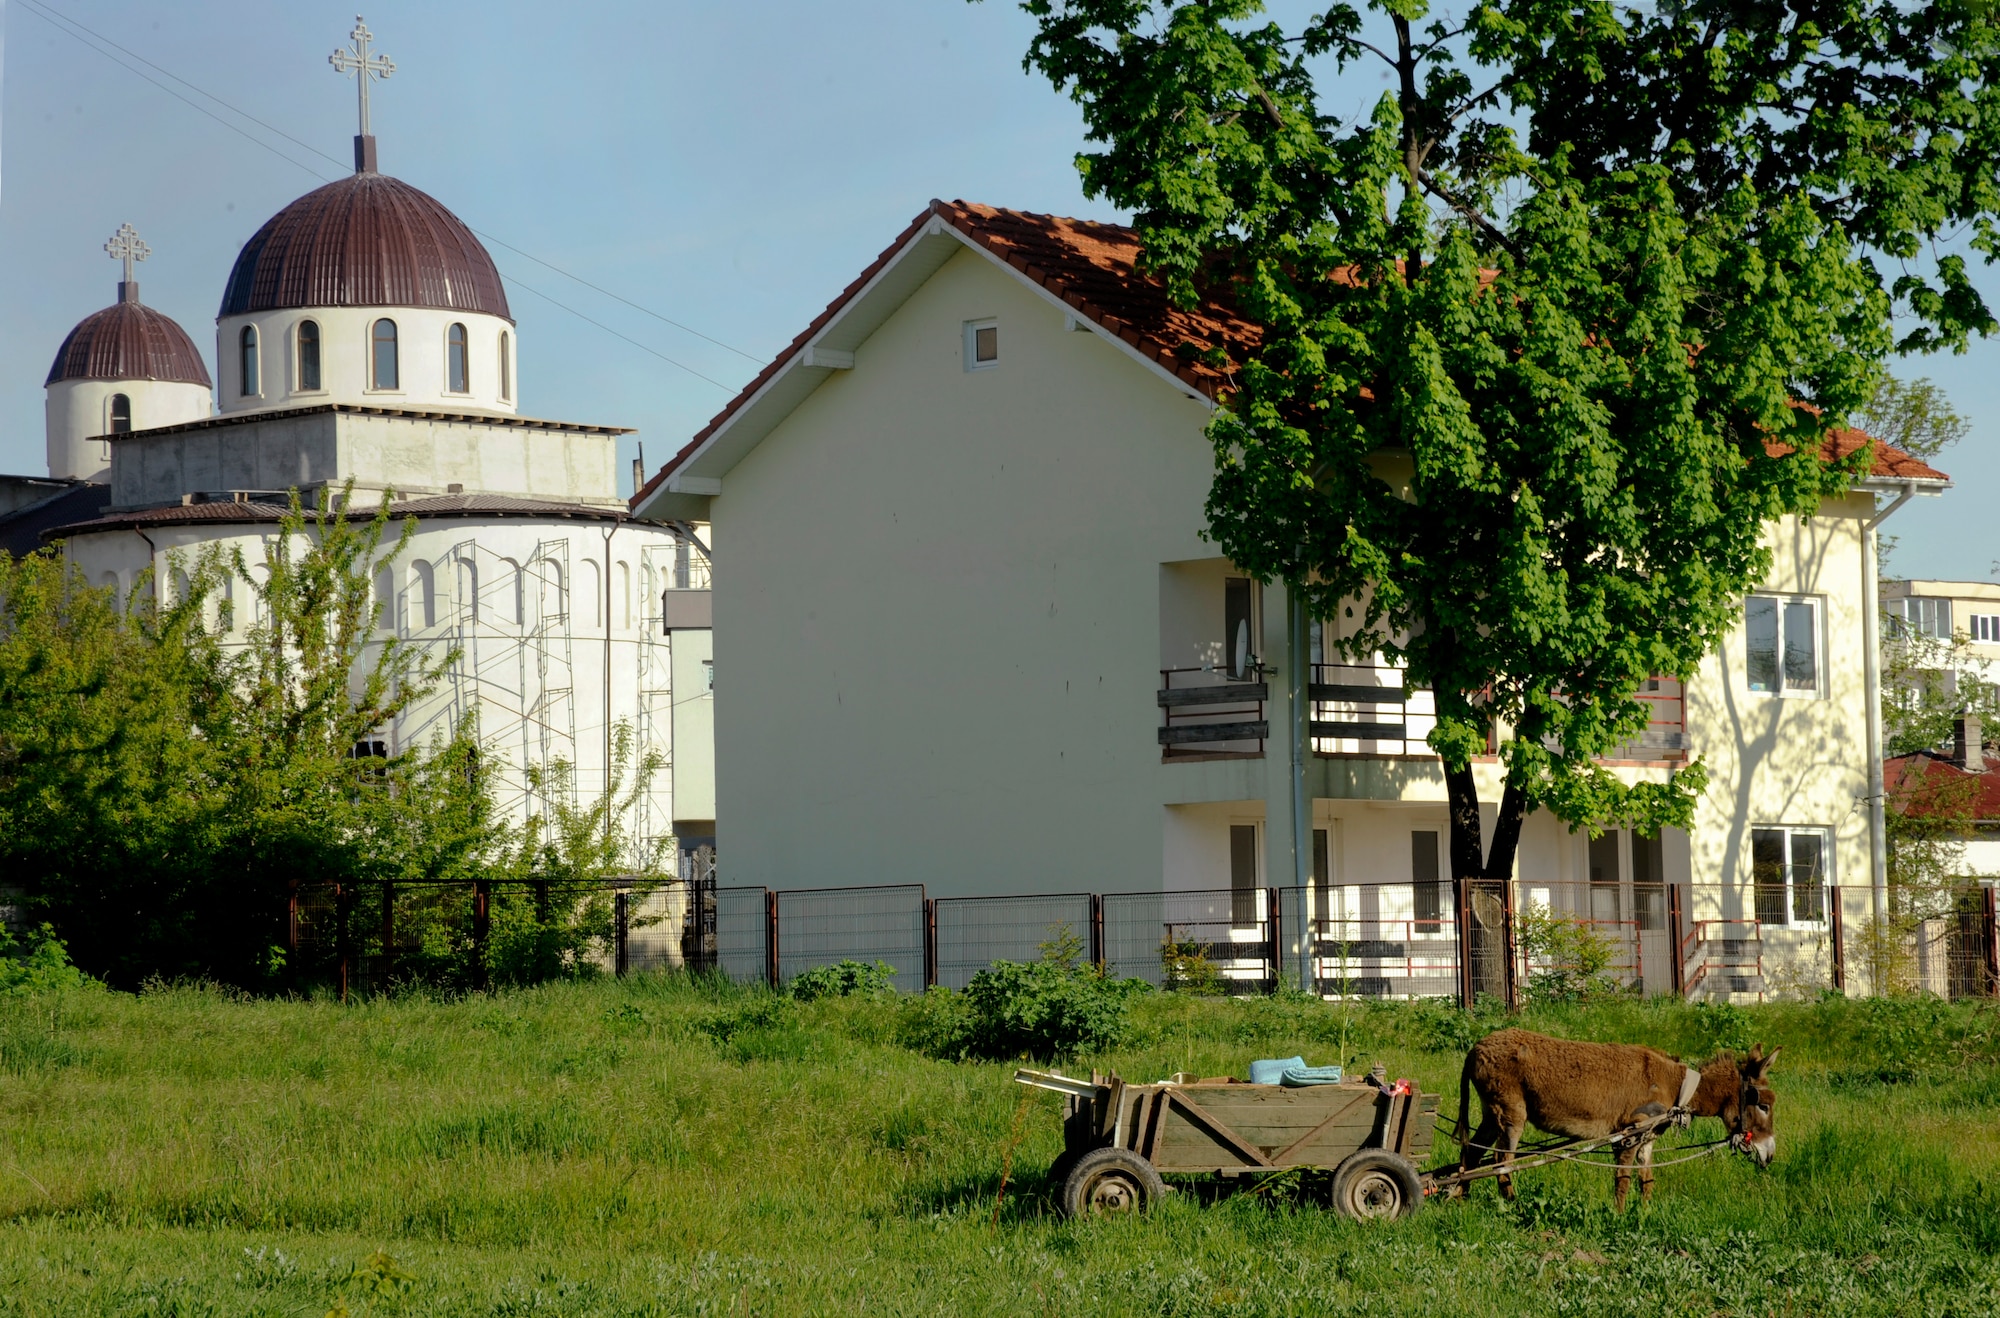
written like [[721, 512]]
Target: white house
[[1027, 670]]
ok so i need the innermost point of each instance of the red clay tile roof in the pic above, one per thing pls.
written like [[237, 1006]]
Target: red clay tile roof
[[1093, 268], [1906, 774]]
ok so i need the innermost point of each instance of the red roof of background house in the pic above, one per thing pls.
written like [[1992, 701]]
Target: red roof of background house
[[1908, 773], [1093, 268]]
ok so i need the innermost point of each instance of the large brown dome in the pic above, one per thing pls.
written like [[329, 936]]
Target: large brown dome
[[128, 341], [365, 241]]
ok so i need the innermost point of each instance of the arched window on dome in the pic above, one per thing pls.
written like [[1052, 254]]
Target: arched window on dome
[[506, 369], [457, 369], [308, 354], [385, 598], [382, 355], [121, 414], [510, 585], [246, 352]]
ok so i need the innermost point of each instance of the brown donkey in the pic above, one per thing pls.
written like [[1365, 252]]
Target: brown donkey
[[1589, 1090]]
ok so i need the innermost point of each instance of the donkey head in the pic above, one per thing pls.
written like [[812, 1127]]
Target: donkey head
[[1750, 1114]]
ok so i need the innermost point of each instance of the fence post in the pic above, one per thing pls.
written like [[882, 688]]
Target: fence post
[[1274, 964], [1461, 894], [292, 921], [1508, 948], [930, 943], [1097, 929], [480, 927], [621, 916], [1992, 931], [1836, 930], [388, 933], [341, 896], [771, 937], [1676, 935]]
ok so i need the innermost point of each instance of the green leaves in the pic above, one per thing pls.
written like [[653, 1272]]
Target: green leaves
[[1556, 329]]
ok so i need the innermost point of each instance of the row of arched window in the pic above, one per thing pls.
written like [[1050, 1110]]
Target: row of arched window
[[542, 580], [384, 359]]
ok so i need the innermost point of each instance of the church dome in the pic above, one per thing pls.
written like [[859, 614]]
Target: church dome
[[128, 341], [366, 241]]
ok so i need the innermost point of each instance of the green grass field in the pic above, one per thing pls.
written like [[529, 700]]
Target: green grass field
[[656, 1146]]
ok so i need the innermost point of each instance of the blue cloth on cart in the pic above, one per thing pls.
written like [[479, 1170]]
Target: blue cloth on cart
[[1271, 1071], [1292, 1071], [1298, 1077]]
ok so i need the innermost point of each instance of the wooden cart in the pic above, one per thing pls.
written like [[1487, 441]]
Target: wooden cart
[[1119, 1138]]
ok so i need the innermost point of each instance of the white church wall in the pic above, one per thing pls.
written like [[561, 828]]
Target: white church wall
[[345, 357], [78, 416], [532, 667], [411, 455]]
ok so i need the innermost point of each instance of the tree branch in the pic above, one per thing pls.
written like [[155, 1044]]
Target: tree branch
[[1470, 212]]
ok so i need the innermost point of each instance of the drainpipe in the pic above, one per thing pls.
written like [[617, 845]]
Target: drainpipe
[[1298, 680], [608, 533], [1878, 821]]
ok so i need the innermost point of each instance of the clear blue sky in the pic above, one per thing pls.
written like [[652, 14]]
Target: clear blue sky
[[728, 166]]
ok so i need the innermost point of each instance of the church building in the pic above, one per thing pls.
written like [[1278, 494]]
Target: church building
[[365, 336]]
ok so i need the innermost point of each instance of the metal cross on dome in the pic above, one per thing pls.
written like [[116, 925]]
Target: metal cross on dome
[[126, 245], [356, 59]]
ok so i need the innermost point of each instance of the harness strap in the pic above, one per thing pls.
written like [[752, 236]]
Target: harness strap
[[1690, 1081]]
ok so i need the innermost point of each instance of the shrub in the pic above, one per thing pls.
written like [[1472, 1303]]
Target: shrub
[[38, 964], [1044, 1009], [1567, 958], [1185, 967], [844, 979]]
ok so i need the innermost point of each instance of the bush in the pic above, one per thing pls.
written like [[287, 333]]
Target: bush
[[1567, 958], [844, 979], [39, 964], [1044, 1009]]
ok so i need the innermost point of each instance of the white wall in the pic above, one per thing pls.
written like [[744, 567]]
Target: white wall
[[532, 663], [345, 339], [78, 415], [936, 619]]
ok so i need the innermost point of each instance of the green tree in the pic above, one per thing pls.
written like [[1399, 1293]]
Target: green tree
[[1551, 331]]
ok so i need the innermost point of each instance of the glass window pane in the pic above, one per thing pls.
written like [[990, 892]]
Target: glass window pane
[[1767, 873], [986, 344], [248, 343], [1243, 875], [1808, 877], [455, 355], [308, 355], [1801, 648], [385, 375], [1427, 892], [1760, 639], [121, 414]]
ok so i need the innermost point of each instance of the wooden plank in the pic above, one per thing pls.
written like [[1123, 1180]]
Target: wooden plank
[[1359, 731], [1359, 695], [1188, 733], [1221, 1133], [1228, 694], [1334, 1120]]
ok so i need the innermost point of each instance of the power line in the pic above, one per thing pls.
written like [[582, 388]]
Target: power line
[[71, 28], [729, 389]]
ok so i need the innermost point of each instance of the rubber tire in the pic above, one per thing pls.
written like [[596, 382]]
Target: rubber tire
[[1109, 1183], [1375, 1184]]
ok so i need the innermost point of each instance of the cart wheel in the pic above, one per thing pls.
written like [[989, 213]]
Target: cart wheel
[[1107, 1182], [1376, 1183]]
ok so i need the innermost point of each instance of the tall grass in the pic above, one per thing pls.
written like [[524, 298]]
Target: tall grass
[[665, 1146]]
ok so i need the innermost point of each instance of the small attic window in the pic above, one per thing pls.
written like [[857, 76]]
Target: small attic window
[[982, 344]]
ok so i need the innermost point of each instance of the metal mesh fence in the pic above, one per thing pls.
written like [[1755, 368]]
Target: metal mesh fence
[[971, 933], [742, 949], [820, 926], [1174, 939], [1527, 941]]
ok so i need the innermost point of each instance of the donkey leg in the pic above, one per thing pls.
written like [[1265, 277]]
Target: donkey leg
[[1510, 1140], [1626, 1153], [1646, 1173]]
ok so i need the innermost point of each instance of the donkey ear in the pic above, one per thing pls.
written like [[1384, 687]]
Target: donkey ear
[[1769, 1058]]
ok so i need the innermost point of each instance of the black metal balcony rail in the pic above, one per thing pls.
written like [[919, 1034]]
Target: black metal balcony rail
[[1206, 713]]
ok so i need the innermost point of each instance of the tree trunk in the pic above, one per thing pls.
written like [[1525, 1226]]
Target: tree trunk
[[1481, 882]]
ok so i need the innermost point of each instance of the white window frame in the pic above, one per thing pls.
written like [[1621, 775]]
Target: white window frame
[[1787, 832], [972, 328], [1784, 602], [1984, 627]]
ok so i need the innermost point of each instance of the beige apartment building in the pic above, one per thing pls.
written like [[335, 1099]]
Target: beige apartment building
[[1025, 669]]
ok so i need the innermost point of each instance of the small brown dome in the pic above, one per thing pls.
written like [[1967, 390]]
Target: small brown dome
[[128, 341], [365, 241]]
